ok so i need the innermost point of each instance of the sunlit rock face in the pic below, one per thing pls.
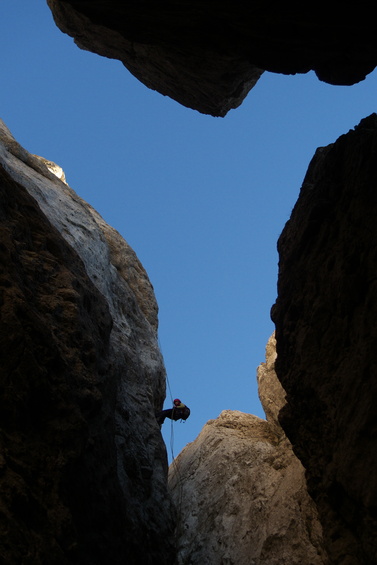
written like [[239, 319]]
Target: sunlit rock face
[[208, 55], [241, 493], [270, 390], [326, 333], [82, 464]]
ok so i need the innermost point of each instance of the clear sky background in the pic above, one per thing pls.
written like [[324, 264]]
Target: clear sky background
[[201, 200]]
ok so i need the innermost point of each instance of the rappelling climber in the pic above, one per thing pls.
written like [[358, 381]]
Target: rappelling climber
[[179, 412]]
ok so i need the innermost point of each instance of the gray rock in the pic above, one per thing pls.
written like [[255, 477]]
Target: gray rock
[[83, 465]]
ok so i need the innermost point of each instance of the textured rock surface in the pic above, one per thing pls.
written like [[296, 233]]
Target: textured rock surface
[[82, 464], [326, 333], [209, 55], [270, 390], [241, 492]]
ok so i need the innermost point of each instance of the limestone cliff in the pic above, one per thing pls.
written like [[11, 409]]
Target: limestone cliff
[[82, 464], [325, 318], [241, 493]]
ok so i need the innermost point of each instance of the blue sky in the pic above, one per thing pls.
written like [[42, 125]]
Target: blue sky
[[201, 200]]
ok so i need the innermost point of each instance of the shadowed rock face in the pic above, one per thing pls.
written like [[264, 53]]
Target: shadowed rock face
[[208, 55], [82, 464], [326, 332], [325, 318]]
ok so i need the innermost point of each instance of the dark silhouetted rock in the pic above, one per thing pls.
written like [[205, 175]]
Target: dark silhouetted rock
[[208, 55], [326, 333]]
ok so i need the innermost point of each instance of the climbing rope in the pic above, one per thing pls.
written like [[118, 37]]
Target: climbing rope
[[167, 377], [179, 484], [174, 462], [169, 389]]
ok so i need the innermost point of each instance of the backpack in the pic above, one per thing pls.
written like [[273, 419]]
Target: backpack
[[185, 412], [181, 413]]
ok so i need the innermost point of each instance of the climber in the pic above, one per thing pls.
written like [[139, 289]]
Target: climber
[[179, 412]]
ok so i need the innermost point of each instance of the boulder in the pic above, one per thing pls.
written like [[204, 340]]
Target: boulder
[[241, 494]]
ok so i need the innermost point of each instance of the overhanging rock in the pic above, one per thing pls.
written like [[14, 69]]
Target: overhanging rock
[[208, 55]]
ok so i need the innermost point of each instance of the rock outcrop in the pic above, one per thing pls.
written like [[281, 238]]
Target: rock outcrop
[[325, 318], [208, 55], [83, 467], [240, 492]]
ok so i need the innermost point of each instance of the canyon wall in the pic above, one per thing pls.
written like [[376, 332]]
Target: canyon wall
[[208, 55], [325, 318], [83, 467], [82, 374]]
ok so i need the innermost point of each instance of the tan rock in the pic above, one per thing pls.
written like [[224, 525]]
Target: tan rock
[[270, 390], [241, 492], [53, 168]]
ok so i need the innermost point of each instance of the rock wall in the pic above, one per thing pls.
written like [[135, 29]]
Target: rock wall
[[81, 372], [208, 55], [325, 318], [240, 492], [83, 467]]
